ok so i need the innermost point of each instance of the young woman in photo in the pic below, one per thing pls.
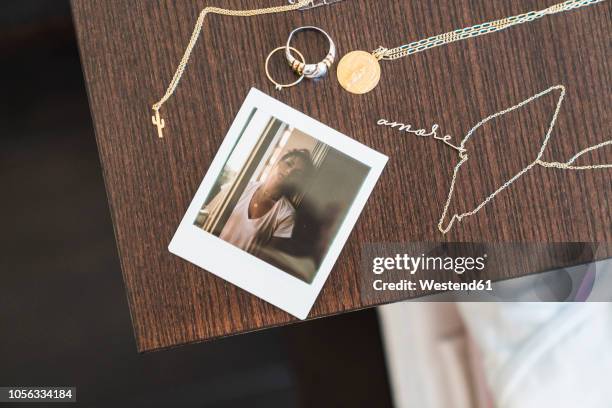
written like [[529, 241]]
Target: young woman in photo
[[264, 215]]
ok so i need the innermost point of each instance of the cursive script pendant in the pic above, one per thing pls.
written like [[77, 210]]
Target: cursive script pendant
[[358, 72]]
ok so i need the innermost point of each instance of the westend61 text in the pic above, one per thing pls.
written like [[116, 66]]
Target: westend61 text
[[431, 285]]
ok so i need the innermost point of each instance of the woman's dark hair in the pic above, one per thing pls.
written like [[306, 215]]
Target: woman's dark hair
[[303, 154]]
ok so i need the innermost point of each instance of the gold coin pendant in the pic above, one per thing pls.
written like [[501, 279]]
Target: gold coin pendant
[[358, 72]]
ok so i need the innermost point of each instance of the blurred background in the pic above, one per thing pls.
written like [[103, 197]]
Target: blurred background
[[64, 318]]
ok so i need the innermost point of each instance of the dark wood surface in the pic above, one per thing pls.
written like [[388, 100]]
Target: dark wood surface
[[130, 49]]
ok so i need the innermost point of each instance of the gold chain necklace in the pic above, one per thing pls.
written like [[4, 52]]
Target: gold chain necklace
[[359, 71], [444, 224], [156, 119]]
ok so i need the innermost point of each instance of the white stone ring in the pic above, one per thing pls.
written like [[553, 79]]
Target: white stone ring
[[311, 71]]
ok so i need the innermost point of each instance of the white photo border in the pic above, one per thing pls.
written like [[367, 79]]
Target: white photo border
[[244, 269]]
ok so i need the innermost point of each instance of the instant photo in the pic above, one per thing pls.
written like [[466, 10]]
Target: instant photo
[[278, 203]]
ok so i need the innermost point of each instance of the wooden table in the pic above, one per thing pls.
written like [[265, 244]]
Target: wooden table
[[130, 49]]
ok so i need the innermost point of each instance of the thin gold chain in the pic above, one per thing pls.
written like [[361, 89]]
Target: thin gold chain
[[477, 30], [160, 123], [568, 165]]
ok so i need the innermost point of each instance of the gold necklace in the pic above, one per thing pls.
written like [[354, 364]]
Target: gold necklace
[[359, 71], [156, 119], [444, 224]]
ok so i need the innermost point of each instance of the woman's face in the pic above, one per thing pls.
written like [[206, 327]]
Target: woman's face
[[287, 172]]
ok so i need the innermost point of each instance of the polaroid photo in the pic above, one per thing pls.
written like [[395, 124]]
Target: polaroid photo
[[277, 204]]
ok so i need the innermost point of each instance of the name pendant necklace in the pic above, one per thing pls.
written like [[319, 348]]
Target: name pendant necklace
[[359, 71]]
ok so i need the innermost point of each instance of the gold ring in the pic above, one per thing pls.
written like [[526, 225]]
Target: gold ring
[[278, 85]]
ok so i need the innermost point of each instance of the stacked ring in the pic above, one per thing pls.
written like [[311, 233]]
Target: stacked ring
[[310, 71]]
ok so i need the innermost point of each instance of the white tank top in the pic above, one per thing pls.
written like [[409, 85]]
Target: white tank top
[[250, 234]]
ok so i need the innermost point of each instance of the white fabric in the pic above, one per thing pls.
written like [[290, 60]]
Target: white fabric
[[544, 354], [427, 356], [250, 234]]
